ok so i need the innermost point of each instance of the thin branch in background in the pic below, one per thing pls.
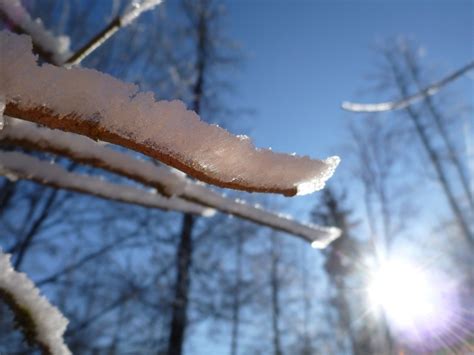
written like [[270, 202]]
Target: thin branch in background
[[432, 153], [438, 119], [133, 11], [82, 261], [407, 101]]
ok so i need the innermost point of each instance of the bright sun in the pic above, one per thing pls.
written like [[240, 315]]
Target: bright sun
[[421, 305], [405, 294]]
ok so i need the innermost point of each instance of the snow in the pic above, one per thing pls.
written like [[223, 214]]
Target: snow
[[379, 107], [58, 46], [23, 166], [165, 126], [319, 236], [407, 101], [136, 8], [171, 182], [50, 323]]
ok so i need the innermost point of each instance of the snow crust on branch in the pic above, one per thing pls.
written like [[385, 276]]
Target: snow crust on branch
[[48, 323], [101, 107], [15, 165], [86, 151], [136, 8], [56, 46], [132, 11], [168, 182], [430, 90]]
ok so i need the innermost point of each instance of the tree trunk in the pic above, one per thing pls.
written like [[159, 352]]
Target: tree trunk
[[275, 289], [180, 304], [236, 304], [185, 248], [6, 193], [437, 117], [433, 156]]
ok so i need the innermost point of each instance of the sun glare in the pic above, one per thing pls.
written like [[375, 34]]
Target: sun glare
[[421, 306], [404, 292]]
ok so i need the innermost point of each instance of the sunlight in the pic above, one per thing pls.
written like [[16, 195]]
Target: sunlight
[[421, 305], [405, 293]]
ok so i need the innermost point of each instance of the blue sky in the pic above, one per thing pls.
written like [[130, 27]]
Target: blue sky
[[303, 58]]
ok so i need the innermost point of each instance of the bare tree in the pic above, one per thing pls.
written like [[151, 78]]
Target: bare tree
[[402, 79]]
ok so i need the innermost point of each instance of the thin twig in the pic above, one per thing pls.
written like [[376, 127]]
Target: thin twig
[[132, 12], [407, 101]]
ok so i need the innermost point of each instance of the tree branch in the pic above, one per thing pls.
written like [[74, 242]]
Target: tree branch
[[22, 166], [430, 90], [133, 11], [104, 108], [85, 151], [40, 322]]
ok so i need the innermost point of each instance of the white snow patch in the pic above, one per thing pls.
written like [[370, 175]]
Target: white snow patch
[[320, 236], [27, 167], [50, 323], [136, 8], [172, 181], [58, 46], [164, 125]]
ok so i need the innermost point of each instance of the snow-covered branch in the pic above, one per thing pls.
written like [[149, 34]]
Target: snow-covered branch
[[403, 103], [41, 323], [17, 165], [134, 10], [101, 107], [54, 48], [170, 183]]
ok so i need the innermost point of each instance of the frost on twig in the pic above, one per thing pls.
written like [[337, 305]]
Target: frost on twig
[[41, 323], [55, 48], [133, 10], [15, 165], [136, 8], [101, 107], [83, 150], [403, 103]]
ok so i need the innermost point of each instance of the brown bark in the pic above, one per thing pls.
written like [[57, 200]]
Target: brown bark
[[94, 130], [224, 205]]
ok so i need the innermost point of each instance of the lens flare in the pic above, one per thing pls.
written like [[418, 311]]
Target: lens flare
[[404, 293], [418, 306]]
